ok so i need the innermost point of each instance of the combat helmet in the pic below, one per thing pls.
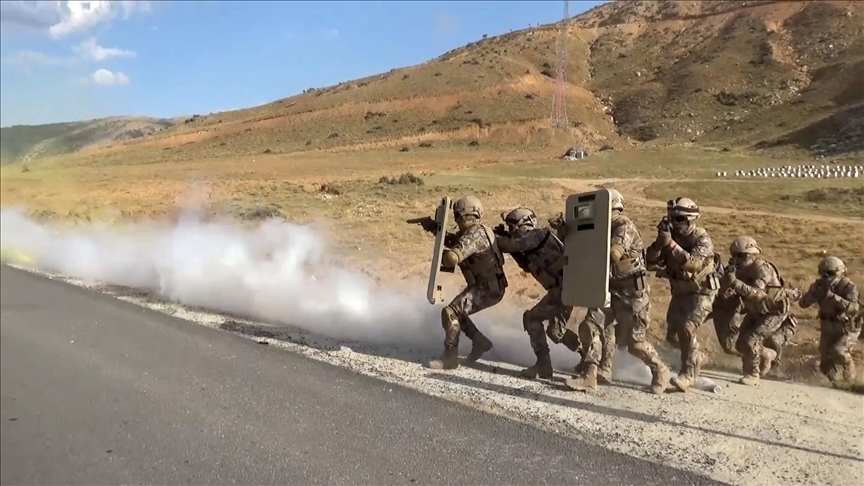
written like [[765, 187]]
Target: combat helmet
[[831, 267], [744, 245], [520, 217], [468, 206], [682, 209], [617, 200]]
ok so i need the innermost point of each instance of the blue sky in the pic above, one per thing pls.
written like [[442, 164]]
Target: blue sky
[[64, 62]]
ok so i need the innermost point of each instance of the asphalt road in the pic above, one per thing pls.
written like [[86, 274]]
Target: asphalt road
[[99, 391]]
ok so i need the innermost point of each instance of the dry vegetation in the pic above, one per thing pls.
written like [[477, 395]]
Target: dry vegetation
[[677, 91], [365, 208], [727, 74]]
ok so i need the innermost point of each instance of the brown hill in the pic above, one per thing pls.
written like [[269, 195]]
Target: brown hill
[[21, 143], [742, 73]]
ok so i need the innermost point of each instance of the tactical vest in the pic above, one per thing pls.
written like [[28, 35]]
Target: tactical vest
[[830, 310], [544, 262], [632, 263], [705, 280], [486, 267], [776, 300]]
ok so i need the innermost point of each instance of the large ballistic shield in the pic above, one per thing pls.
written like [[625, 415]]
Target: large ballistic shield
[[443, 217], [588, 217]]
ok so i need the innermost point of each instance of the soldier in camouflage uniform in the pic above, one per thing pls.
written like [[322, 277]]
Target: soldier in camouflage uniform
[[766, 304], [629, 306], [474, 250], [837, 297], [538, 251], [595, 318], [727, 312], [684, 254]]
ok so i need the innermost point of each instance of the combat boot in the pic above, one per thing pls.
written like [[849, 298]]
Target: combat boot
[[659, 380], [768, 357], [749, 380], [543, 368], [580, 368], [604, 374], [449, 360], [480, 344], [682, 382], [586, 382]]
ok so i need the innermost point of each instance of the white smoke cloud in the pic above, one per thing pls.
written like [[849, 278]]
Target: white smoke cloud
[[275, 272]]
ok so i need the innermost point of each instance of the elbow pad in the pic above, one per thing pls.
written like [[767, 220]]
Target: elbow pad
[[616, 252], [451, 258], [693, 266]]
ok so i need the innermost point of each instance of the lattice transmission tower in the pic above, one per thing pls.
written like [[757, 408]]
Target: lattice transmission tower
[[559, 107]]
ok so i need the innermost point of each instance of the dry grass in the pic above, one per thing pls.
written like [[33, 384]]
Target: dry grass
[[366, 213], [729, 74]]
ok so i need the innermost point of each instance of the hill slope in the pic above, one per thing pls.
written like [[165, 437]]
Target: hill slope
[[751, 73], [25, 142]]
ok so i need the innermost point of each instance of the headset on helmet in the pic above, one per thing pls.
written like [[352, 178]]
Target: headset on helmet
[[617, 200], [744, 245], [468, 206], [519, 217], [832, 266], [682, 209]]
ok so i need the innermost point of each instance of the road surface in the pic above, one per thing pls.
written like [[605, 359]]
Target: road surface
[[99, 391]]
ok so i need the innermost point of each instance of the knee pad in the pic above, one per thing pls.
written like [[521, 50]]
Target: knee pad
[[571, 340], [448, 317]]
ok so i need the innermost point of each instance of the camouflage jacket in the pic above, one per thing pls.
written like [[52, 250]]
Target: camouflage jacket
[[625, 235], [478, 254], [537, 251], [689, 262], [761, 288], [837, 298]]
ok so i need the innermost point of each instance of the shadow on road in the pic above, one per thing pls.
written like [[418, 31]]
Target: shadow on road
[[618, 413]]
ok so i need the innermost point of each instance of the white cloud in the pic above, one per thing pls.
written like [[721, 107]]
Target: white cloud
[[27, 58], [91, 50], [61, 19], [104, 77]]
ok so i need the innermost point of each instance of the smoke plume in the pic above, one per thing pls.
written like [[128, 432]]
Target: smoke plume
[[276, 272]]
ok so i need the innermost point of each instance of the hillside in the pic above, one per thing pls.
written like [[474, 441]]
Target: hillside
[[25, 142], [743, 74]]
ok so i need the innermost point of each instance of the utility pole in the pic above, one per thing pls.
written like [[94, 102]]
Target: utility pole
[[559, 107]]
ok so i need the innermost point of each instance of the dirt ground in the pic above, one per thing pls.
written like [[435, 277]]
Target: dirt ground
[[365, 215]]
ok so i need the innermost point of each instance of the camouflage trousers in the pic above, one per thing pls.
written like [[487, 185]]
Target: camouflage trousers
[[455, 315], [687, 311], [757, 331], [727, 316], [597, 335], [629, 312], [552, 309], [835, 361]]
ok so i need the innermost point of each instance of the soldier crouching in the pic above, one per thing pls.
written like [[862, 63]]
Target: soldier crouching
[[837, 297], [474, 249], [538, 251], [766, 303]]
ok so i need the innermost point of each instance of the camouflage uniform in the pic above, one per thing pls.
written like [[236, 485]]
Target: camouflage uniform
[[837, 297], [474, 249], [538, 251], [629, 306], [684, 254], [599, 319], [727, 312], [766, 304]]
